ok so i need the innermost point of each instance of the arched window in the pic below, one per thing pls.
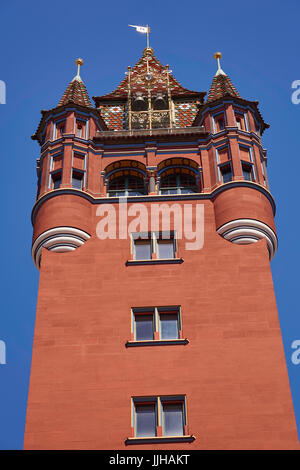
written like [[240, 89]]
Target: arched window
[[178, 176], [125, 178]]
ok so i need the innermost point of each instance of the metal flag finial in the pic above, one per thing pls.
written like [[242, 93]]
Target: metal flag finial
[[142, 29]]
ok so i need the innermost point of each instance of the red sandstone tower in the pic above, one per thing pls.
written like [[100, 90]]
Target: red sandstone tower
[[142, 342]]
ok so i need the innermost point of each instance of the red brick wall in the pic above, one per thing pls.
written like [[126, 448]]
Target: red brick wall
[[232, 372]]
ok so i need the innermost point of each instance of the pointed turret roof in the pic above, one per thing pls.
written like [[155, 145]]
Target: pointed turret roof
[[76, 91], [138, 79], [221, 85]]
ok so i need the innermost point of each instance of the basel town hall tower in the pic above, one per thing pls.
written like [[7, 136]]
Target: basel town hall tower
[[149, 335]]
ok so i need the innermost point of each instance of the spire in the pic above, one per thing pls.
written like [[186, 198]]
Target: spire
[[76, 91], [221, 85]]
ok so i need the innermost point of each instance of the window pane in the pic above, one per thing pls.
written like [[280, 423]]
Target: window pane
[[117, 184], [168, 181], [143, 327], [145, 425], [173, 420], [142, 250], [165, 249], [247, 173], [56, 181], [226, 174], [169, 326], [77, 181]]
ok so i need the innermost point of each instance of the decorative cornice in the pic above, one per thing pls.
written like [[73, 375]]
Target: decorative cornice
[[246, 231], [209, 106], [58, 239]]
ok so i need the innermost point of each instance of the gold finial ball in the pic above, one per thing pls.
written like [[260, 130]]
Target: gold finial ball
[[148, 51], [217, 55], [79, 61]]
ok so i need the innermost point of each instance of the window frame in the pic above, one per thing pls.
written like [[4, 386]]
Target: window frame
[[57, 129], [153, 238], [157, 337], [242, 116], [159, 402], [250, 166], [215, 122], [222, 166], [53, 178], [81, 123], [82, 174], [137, 312], [54, 172], [82, 171]]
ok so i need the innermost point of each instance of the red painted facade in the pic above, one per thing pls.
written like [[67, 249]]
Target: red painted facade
[[232, 369]]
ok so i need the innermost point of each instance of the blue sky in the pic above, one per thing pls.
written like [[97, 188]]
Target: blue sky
[[39, 43]]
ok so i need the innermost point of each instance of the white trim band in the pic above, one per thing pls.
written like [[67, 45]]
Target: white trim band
[[245, 231], [58, 239]]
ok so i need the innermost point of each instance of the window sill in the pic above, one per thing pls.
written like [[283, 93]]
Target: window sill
[[153, 440], [139, 262], [157, 342]]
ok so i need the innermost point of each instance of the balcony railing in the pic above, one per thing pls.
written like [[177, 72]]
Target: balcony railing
[[151, 132]]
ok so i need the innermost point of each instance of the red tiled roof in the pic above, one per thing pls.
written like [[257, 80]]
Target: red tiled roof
[[76, 93], [221, 86], [138, 72]]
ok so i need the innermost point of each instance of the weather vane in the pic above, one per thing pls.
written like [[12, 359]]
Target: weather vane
[[142, 29]]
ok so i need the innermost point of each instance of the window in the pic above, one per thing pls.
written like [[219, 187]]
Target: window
[[180, 183], [79, 131], [264, 170], [219, 122], [81, 128], [156, 323], [60, 129], [154, 245], [257, 128], [163, 416], [247, 169], [226, 172], [241, 122], [56, 179], [126, 186], [77, 179]]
